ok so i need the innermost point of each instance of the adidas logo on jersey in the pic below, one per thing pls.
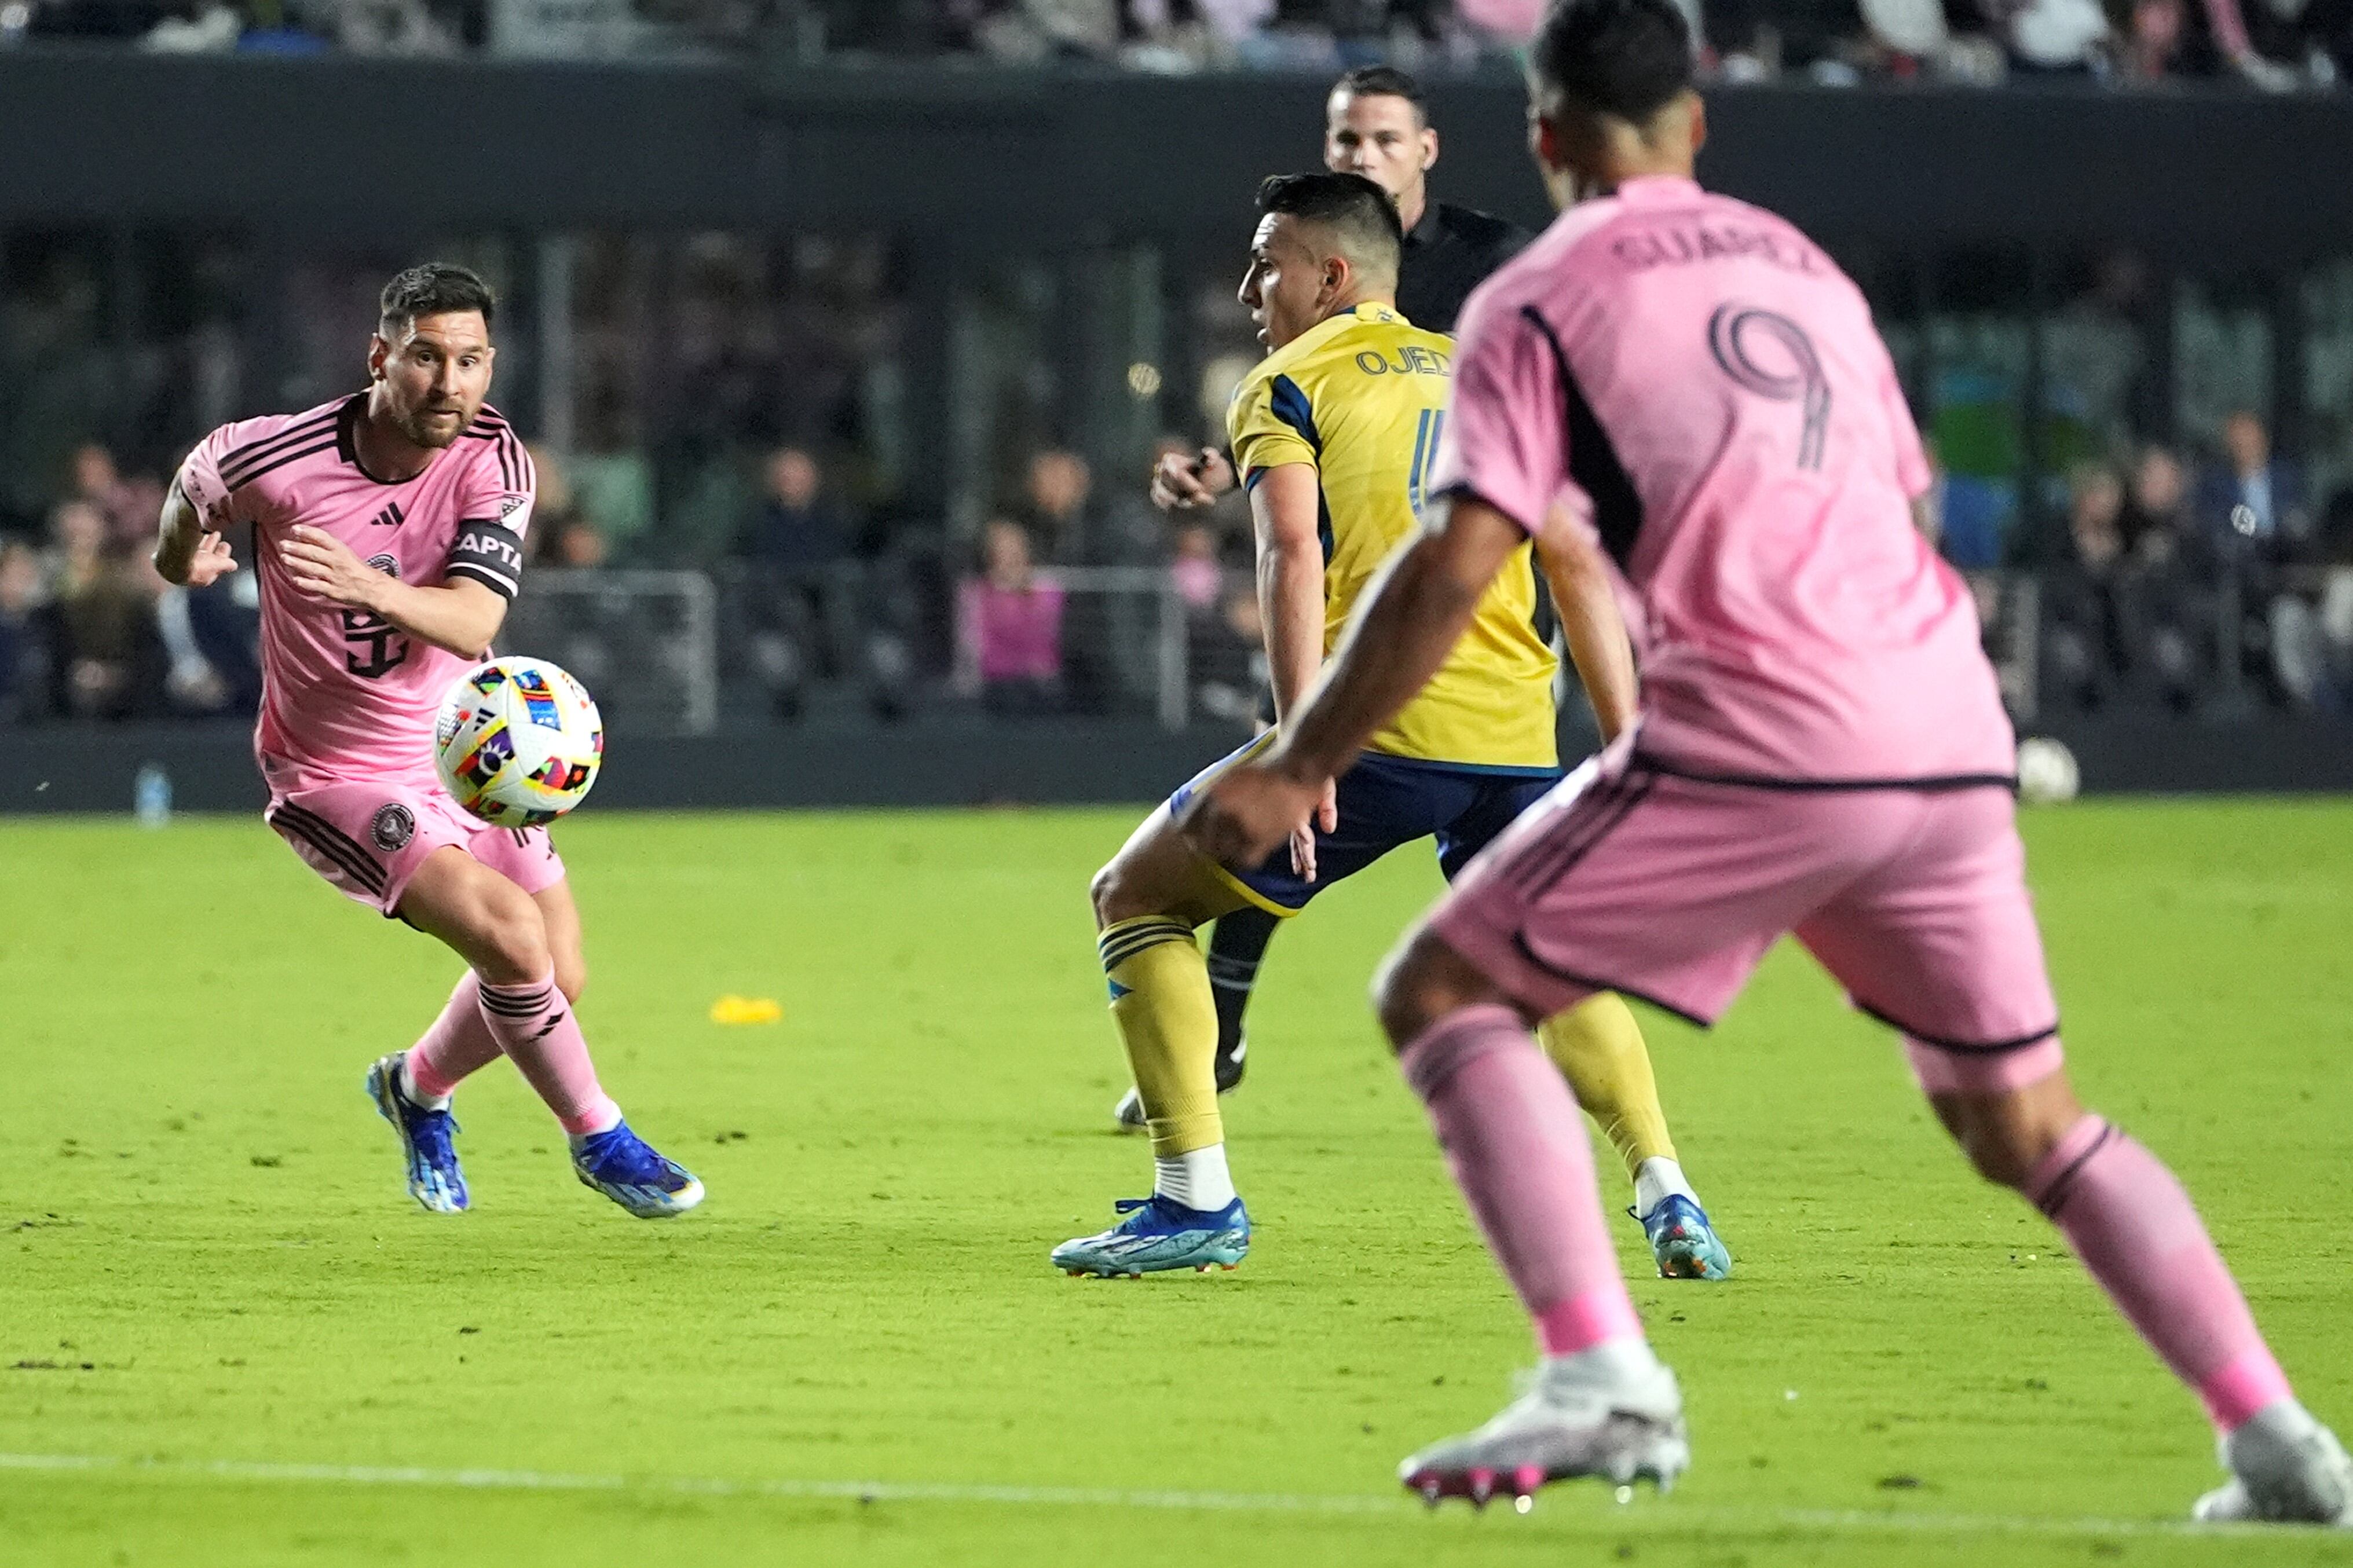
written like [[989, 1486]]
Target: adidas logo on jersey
[[389, 518]]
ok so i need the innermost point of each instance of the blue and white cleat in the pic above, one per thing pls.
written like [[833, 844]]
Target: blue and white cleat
[[626, 1169], [434, 1179], [1157, 1236], [1683, 1242]]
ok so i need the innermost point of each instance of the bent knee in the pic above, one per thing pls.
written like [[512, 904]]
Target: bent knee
[[1420, 981], [572, 979], [2007, 1136], [1116, 898], [513, 936]]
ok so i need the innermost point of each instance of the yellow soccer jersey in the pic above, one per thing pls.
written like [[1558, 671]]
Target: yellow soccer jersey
[[1362, 399]]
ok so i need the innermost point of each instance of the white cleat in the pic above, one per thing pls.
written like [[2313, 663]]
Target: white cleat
[[1129, 1112], [1574, 1417], [2285, 1468]]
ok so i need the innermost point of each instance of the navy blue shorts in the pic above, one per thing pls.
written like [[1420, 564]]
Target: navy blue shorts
[[1386, 802]]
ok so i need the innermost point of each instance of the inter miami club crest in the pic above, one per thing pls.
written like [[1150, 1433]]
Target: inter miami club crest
[[392, 827]]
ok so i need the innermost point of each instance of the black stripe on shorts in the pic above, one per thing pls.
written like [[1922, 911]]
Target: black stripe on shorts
[[323, 837]]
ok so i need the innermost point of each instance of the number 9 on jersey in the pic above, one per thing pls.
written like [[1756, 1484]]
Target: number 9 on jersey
[[518, 742]]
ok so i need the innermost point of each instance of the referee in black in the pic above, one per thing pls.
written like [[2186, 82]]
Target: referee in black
[[1376, 124]]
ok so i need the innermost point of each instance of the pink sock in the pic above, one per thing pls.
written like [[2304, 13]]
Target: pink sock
[[1517, 1147], [457, 1046], [535, 1026], [2135, 1229]]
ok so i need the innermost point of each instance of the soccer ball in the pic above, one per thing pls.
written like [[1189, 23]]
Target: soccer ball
[[2047, 774], [518, 742]]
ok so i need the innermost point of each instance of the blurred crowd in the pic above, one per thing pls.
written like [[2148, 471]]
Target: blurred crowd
[[2274, 45], [2193, 587], [2176, 581]]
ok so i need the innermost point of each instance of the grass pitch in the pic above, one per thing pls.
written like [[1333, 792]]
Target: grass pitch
[[227, 1337]]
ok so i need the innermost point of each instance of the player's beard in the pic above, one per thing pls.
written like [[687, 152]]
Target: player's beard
[[418, 425]]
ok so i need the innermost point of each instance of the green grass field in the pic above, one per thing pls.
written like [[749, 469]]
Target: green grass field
[[227, 1337]]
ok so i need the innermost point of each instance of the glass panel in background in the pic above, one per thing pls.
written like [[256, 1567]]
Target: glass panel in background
[[2329, 393], [2222, 353], [1977, 347]]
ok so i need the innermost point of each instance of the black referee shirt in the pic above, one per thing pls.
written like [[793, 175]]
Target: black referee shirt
[[1449, 253]]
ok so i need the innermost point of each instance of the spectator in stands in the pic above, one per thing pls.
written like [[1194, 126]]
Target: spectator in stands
[[2255, 526], [2156, 506], [102, 616], [796, 523], [2087, 632], [1059, 509], [561, 533], [23, 653], [1009, 629], [790, 594], [129, 506]]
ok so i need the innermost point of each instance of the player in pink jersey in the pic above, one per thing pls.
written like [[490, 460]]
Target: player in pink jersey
[[387, 532], [1821, 750]]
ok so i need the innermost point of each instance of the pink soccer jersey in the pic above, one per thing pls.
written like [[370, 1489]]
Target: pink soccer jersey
[[343, 693], [1694, 381]]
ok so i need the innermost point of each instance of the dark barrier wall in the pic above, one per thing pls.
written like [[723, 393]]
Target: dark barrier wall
[[361, 147], [961, 763]]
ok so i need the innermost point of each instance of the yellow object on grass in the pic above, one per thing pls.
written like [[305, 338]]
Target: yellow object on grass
[[746, 1010]]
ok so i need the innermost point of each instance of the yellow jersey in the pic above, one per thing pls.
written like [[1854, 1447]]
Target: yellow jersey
[[1361, 398]]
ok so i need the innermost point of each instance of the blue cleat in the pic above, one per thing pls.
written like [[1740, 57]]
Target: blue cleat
[[434, 1179], [626, 1169], [1683, 1242], [1158, 1234]]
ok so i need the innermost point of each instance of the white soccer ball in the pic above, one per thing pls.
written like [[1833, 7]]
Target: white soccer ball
[[518, 741], [2047, 774]]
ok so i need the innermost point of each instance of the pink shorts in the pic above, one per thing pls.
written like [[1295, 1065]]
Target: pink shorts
[[368, 836], [1670, 890]]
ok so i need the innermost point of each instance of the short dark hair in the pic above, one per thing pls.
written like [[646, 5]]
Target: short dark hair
[[1355, 208], [433, 289], [1383, 81], [1625, 57]]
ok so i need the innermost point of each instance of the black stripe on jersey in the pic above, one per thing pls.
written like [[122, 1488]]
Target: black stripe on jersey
[[330, 842], [1927, 783], [279, 461], [233, 467], [1592, 458]]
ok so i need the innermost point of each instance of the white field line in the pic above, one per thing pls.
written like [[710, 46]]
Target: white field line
[[1649, 1513]]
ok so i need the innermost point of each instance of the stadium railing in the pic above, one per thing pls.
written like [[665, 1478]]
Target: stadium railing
[[646, 642]]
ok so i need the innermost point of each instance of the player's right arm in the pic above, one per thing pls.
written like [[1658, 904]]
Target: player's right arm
[[1287, 508], [1590, 623], [1180, 483], [187, 554]]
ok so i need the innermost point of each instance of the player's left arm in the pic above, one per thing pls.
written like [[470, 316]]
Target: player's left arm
[[1415, 612], [463, 615]]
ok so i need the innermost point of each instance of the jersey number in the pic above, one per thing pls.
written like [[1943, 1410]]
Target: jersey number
[[1786, 371], [1425, 459]]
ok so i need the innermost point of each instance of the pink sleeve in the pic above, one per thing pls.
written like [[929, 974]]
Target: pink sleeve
[[1506, 437], [200, 480], [494, 505]]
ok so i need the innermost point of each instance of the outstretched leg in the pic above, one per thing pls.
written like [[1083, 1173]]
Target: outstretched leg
[[1148, 902], [521, 949], [1598, 1047], [1518, 1150], [2134, 1227]]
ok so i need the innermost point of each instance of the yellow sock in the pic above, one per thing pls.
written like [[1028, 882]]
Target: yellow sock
[[1598, 1048], [1160, 999]]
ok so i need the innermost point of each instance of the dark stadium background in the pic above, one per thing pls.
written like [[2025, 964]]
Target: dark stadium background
[[973, 261]]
